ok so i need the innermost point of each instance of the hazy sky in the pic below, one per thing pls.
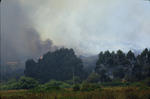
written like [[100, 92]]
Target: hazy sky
[[88, 26]]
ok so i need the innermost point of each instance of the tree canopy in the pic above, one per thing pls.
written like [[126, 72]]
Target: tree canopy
[[122, 65], [62, 64]]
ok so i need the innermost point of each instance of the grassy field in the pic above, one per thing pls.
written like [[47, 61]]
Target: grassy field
[[104, 93]]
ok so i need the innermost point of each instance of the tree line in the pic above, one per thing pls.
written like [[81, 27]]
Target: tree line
[[60, 65], [124, 66], [64, 65]]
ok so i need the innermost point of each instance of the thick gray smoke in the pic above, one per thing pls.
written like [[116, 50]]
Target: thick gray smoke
[[88, 26], [20, 40]]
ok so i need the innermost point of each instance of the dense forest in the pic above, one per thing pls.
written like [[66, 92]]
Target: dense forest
[[63, 74], [120, 65], [63, 65]]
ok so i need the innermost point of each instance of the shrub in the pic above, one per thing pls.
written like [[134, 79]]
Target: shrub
[[52, 85], [136, 84], [147, 82], [65, 85], [12, 84], [115, 83], [93, 78], [27, 83], [76, 87], [40, 88], [90, 87]]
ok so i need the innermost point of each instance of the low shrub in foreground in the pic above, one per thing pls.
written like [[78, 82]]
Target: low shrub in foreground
[[22, 83], [76, 87], [106, 93], [52, 85], [90, 87], [115, 83]]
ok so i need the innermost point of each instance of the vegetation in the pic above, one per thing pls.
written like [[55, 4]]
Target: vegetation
[[22, 83], [60, 75], [129, 67], [61, 65], [29, 88], [8, 72], [105, 93]]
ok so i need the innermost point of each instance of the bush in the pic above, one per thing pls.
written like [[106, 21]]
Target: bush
[[39, 88], [76, 87], [52, 85], [12, 84], [22, 83], [147, 82], [65, 85], [136, 84], [115, 83], [90, 87], [93, 78], [27, 83]]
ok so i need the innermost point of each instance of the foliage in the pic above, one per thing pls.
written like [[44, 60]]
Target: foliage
[[27, 83], [90, 86], [122, 65], [51, 86], [147, 82], [105, 93], [93, 78], [22, 83], [76, 87], [115, 83], [12, 84], [61, 65]]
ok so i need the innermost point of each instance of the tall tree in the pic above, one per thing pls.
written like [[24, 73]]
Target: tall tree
[[62, 64], [121, 65]]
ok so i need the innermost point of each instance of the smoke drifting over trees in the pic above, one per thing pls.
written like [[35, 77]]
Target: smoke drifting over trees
[[20, 40], [90, 26]]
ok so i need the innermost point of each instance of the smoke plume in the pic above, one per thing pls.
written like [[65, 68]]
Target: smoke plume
[[88, 26], [20, 40]]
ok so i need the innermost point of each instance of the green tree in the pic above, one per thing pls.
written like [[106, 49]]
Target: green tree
[[119, 73], [27, 83], [130, 56], [62, 65], [93, 78], [121, 65]]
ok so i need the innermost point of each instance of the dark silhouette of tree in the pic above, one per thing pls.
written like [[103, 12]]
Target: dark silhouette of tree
[[62, 65], [130, 56], [93, 78], [124, 66]]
